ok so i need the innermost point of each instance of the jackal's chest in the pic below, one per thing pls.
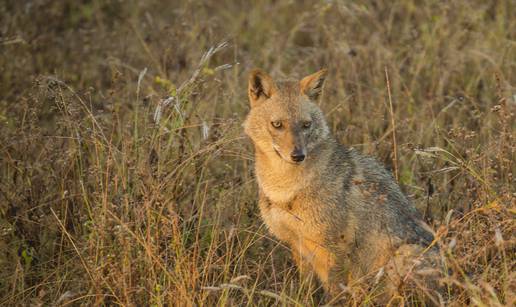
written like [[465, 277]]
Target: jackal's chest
[[291, 222]]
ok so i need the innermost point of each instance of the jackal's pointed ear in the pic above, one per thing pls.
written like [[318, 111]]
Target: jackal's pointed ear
[[312, 85], [261, 87]]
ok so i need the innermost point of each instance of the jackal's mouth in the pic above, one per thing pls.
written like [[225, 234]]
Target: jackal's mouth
[[277, 152], [281, 157]]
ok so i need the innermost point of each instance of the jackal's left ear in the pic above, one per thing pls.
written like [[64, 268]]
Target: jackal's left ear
[[312, 85]]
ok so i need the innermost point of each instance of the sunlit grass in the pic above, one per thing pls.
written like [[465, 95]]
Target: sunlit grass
[[125, 177]]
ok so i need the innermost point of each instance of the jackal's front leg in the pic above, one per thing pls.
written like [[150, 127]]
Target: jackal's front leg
[[306, 273], [304, 267]]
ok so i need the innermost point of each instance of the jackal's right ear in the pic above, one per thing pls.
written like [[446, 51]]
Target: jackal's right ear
[[261, 87]]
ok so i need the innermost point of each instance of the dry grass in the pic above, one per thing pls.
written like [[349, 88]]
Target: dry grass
[[112, 194]]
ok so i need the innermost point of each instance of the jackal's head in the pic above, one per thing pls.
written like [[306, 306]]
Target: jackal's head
[[284, 121]]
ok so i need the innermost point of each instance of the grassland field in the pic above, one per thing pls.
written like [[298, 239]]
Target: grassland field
[[126, 179]]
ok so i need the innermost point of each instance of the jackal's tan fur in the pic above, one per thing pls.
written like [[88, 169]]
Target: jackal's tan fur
[[342, 214]]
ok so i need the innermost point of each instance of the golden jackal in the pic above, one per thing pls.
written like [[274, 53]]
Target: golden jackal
[[342, 214]]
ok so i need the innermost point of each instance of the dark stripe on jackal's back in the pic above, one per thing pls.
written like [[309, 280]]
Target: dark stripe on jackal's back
[[349, 167]]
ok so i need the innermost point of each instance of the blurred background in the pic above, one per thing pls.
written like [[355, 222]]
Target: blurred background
[[125, 177]]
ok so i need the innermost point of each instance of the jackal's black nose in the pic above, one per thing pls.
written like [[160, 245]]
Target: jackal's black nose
[[297, 155]]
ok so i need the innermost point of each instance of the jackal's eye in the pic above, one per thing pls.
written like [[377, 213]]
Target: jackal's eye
[[307, 124], [277, 124]]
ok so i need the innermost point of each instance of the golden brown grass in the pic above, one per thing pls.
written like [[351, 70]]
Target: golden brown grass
[[110, 193]]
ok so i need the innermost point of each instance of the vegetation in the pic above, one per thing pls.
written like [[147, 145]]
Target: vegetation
[[125, 177]]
